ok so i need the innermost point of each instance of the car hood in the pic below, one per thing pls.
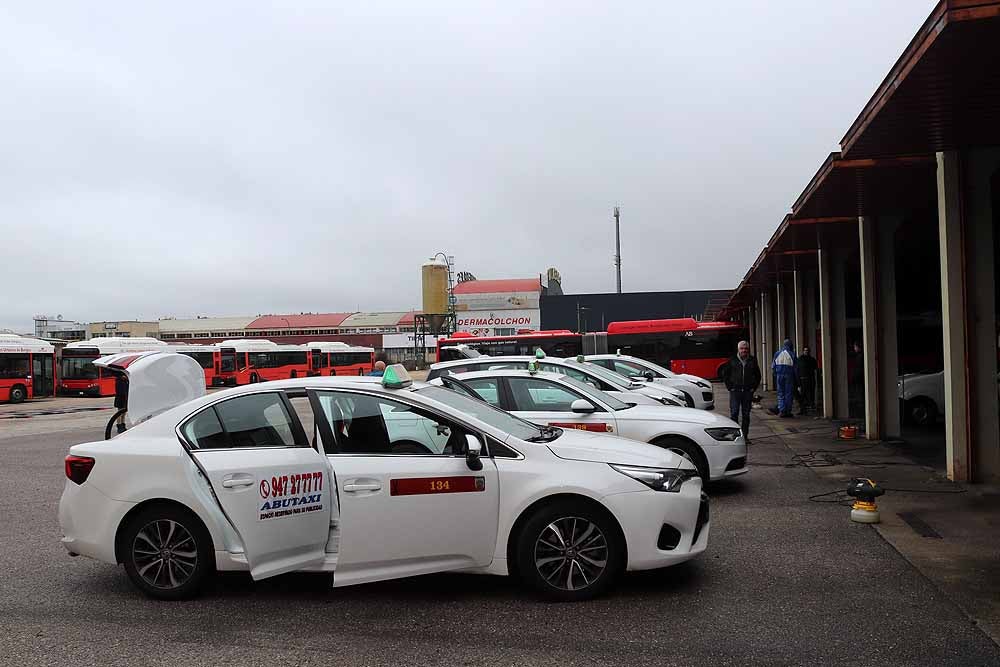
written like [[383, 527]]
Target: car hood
[[576, 445], [693, 378], [668, 413]]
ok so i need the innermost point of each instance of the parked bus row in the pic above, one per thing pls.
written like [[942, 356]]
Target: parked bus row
[[27, 368], [684, 345], [227, 364]]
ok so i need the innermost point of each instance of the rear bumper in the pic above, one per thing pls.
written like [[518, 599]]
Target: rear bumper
[[89, 521]]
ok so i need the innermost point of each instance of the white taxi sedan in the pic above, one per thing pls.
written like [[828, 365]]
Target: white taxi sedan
[[369, 479], [697, 391], [713, 443]]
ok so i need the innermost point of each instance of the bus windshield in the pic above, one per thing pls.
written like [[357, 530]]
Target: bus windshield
[[76, 368]]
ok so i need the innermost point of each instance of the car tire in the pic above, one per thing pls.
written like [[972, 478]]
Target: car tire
[[592, 561], [687, 449], [921, 411], [165, 531], [18, 393], [688, 399]]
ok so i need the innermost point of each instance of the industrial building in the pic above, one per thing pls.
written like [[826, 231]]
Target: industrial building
[[893, 245]]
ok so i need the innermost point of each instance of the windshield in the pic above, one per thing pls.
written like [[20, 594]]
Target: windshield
[[77, 369], [589, 390], [612, 378], [484, 412]]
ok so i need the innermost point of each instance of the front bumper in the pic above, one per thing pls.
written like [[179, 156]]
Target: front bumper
[[643, 516], [726, 459]]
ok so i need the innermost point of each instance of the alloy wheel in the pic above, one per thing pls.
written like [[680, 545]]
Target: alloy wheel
[[165, 554], [571, 553]]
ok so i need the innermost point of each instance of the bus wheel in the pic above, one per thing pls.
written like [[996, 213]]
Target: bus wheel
[[18, 393], [254, 379]]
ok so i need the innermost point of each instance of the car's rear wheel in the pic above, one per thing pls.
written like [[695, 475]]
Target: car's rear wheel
[[921, 411], [687, 449], [167, 553], [569, 551]]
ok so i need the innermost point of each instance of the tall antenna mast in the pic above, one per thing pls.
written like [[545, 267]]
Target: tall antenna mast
[[618, 250]]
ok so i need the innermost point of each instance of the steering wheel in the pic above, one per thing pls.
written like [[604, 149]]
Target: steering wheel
[[409, 447]]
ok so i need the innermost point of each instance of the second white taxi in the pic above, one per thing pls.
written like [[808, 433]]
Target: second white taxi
[[368, 479]]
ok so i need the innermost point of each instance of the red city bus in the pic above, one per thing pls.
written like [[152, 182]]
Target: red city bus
[[684, 345], [217, 362], [555, 343], [336, 358], [77, 373], [27, 368], [260, 361]]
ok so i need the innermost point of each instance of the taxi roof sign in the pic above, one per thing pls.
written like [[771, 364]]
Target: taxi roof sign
[[396, 377], [539, 353]]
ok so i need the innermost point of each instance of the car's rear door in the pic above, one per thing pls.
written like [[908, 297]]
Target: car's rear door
[[275, 488]]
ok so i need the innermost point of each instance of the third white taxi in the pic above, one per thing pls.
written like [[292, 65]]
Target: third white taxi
[[713, 443], [368, 479]]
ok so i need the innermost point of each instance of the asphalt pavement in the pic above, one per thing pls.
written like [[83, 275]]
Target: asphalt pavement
[[785, 581]]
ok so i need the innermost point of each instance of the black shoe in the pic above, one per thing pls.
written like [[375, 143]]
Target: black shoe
[[786, 415]]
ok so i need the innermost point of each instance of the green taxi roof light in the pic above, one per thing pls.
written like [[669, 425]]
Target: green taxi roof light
[[539, 353], [580, 358], [396, 377]]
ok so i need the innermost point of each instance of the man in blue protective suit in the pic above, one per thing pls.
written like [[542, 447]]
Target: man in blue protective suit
[[783, 366]]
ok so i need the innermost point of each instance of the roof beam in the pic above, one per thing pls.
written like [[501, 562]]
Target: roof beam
[[819, 221]]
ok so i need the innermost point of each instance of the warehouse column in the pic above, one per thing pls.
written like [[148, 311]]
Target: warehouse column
[[781, 299], [953, 315], [968, 193], [825, 328], [878, 323], [765, 321], [838, 330], [797, 315]]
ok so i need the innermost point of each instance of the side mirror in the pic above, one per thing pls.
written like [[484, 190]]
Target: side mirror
[[473, 448], [649, 376], [582, 407]]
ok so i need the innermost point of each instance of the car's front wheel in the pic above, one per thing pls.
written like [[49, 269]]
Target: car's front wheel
[[688, 450], [569, 551], [167, 553]]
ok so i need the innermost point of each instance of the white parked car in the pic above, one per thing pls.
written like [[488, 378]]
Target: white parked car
[[623, 388], [697, 391], [713, 443], [369, 479], [922, 395]]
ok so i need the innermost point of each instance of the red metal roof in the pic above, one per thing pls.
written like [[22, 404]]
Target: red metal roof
[[307, 321], [407, 318], [494, 286]]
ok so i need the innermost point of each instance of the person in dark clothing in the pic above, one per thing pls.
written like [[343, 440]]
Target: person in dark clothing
[[806, 371], [742, 377]]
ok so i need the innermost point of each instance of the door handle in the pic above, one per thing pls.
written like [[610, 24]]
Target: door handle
[[364, 486], [232, 483]]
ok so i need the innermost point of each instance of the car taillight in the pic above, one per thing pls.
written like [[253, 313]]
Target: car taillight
[[78, 468]]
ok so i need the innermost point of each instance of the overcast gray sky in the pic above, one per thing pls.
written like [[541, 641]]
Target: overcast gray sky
[[231, 158]]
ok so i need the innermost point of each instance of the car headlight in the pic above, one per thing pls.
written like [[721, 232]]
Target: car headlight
[[658, 479], [724, 434], [666, 400]]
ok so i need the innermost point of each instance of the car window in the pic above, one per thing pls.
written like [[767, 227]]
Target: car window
[[537, 395], [629, 369], [487, 388], [204, 431], [365, 424], [483, 411], [570, 372], [257, 420]]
